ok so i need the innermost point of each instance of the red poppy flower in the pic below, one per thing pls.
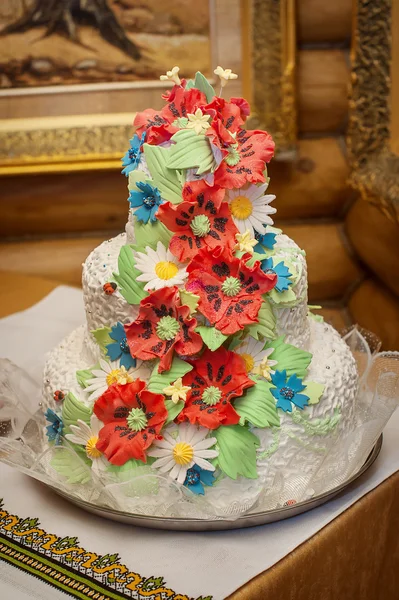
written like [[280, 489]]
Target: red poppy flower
[[230, 292], [132, 417], [217, 378], [163, 325], [158, 124], [202, 220], [254, 149], [226, 120]]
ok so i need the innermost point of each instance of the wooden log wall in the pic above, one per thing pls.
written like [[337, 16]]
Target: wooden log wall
[[60, 218]]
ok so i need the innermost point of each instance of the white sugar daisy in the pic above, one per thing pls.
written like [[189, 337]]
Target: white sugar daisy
[[250, 208], [87, 436], [181, 449], [159, 268], [106, 375], [256, 358]]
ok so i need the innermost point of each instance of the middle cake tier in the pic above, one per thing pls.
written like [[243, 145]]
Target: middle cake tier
[[104, 309]]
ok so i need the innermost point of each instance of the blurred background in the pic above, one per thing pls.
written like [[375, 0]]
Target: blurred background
[[321, 76]]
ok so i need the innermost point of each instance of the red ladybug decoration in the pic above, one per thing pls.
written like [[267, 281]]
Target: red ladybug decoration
[[58, 396], [109, 287], [290, 503]]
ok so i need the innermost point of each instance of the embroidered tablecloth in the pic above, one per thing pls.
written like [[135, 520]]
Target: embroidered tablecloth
[[90, 557]]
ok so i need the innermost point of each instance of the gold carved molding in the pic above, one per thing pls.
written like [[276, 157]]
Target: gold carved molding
[[270, 84], [374, 167], [62, 149]]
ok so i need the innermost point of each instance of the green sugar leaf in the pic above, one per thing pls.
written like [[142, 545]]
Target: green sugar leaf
[[131, 289], [83, 375], [237, 451], [286, 298], [314, 391], [189, 299], [72, 410], [190, 84], [191, 150], [166, 179], [149, 234], [265, 328], [202, 84], [212, 337], [102, 337], [173, 409], [76, 469], [289, 358], [257, 406], [134, 177], [159, 381]]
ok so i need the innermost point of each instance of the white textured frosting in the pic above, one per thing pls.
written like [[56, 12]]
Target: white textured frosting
[[102, 309], [293, 322]]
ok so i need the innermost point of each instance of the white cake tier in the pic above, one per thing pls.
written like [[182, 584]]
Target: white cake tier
[[106, 310], [296, 449]]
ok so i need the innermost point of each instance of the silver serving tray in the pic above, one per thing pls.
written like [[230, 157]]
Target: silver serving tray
[[251, 519]]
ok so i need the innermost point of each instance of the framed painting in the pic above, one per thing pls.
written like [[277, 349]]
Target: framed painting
[[373, 133], [73, 73]]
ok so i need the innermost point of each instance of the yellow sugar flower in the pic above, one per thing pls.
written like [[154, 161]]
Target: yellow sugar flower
[[224, 75], [245, 242], [198, 121], [172, 76], [177, 391]]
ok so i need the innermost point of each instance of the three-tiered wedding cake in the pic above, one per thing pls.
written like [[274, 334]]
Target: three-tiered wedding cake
[[200, 366]]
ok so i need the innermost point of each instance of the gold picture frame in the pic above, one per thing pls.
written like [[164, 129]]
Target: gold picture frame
[[373, 131], [256, 36]]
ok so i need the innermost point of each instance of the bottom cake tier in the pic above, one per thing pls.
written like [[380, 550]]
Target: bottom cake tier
[[289, 458]]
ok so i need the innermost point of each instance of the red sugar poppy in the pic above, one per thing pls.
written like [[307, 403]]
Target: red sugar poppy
[[226, 120], [132, 417], [202, 206], [217, 378], [230, 292], [254, 150], [162, 326], [158, 124]]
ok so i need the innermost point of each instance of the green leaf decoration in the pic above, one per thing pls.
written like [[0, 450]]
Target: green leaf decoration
[[190, 84], [131, 289], [311, 315], [159, 381], [189, 299], [314, 391], [191, 150], [237, 451], [202, 84], [212, 337], [286, 298], [102, 337], [317, 318], [173, 410], [236, 340], [83, 375], [72, 410], [289, 358], [166, 179], [257, 406], [256, 256], [149, 234], [72, 467], [134, 177], [313, 427], [265, 328]]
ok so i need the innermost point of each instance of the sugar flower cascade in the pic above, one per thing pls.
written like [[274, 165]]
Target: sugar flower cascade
[[185, 385]]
